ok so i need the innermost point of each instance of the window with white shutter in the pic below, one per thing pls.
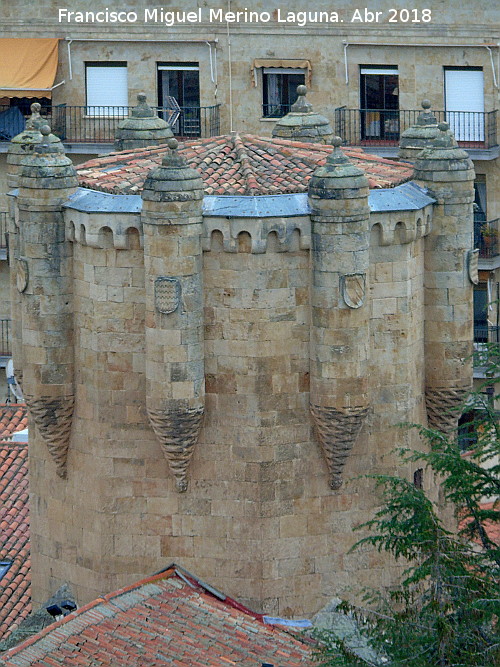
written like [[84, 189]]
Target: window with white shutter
[[107, 89], [464, 102]]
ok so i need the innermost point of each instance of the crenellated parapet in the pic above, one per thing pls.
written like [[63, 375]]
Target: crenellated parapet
[[284, 234], [398, 228], [256, 225], [104, 231]]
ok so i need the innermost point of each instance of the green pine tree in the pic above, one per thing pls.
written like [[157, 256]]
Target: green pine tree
[[446, 609]]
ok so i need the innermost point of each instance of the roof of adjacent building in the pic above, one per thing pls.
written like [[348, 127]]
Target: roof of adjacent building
[[13, 418], [237, 165], [15, 584], [170, 618], [492, 527]]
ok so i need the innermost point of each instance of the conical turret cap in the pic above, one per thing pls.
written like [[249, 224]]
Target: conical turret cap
[[302, 123]]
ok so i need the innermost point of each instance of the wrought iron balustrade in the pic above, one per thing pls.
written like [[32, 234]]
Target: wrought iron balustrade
[[383, 127], [486, 238], [98, 124], [275, 110]]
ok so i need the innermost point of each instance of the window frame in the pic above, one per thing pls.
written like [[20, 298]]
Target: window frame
[[285, 72], [107, 110]]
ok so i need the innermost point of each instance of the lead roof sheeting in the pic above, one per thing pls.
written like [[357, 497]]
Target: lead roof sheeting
[[405, 197], [92, 201]]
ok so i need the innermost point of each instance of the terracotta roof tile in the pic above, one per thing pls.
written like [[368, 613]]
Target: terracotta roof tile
[[13, 418], [166, 619], [237, 165], [15, 585]]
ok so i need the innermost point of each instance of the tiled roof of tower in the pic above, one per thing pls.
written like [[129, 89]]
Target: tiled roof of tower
[[13, 418], [166, 619], [237, 165], [15, 584]]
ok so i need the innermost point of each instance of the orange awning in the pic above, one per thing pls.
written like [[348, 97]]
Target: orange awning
[[27, 67]]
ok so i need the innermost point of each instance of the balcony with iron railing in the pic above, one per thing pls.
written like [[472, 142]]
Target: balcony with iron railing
[[275, 110], [486, 239], [486, 357], [98, 124], [382, 128]]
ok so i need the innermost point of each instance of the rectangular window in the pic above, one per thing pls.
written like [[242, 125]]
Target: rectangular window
[[280, 89], [464, 102], [182, 82], [379, 102], [106, 89]]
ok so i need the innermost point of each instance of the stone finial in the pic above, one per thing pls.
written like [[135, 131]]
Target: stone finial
[[142, 128], [418, 136], [35, 121], [142, 110], [174, 180], [301, 105], [302, 123], [443, 154], [426, 117], [445, 138]]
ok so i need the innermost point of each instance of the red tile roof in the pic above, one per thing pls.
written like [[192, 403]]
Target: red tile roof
[[166, 619], [237, 165], [13, 418], [15, 585], [492, 528]]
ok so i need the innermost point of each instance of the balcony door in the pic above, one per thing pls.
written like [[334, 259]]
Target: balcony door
[[182, 82], [379, 100], [280, 89], [464, 102]]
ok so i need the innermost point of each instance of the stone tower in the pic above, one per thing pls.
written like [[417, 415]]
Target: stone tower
[[236, 368]]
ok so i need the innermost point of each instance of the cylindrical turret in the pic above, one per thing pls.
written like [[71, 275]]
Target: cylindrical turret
[[419, 136], [20, 146], [338, 196], [448, 174], [175, 375], [44, 279]]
